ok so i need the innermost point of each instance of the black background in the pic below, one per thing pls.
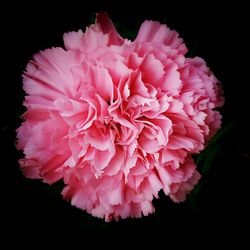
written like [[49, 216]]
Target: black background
[[216, 32]]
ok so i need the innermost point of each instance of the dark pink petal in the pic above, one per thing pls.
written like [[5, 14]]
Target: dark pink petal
[[108, 28]]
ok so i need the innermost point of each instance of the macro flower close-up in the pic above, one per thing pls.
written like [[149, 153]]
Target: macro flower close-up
[[118, 120]]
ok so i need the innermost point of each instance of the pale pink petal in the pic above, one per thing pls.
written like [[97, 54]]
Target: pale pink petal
[[152, 69], [116, 195], [102, 82], [191, 178], [91, 40], [116, 163], [155, 183], [147, 208], [171, 82], [154, 32], [101, 159], [74, 40]]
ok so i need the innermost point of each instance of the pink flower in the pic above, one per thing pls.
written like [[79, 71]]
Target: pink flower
[[118, 120]]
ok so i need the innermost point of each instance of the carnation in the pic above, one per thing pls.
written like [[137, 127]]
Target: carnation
[[118, 120]]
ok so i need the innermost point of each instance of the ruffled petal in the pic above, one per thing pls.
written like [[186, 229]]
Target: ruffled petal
[[154, 32], [108, 28]]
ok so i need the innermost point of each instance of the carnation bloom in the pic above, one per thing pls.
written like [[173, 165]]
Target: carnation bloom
[[117, 120]]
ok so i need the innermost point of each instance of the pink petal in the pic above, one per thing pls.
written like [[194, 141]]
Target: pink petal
[[177, 142], [154, 32], [88, 42], [171, 82], [102, 82], [155, 184], [116, 163], [152, 69], [101, 159], [115, 196], [74, 40], [147, 208]]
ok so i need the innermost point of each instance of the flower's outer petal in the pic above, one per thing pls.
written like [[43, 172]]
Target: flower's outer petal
[[191, 177], [154, 32], [87, 42], [108, 28]]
